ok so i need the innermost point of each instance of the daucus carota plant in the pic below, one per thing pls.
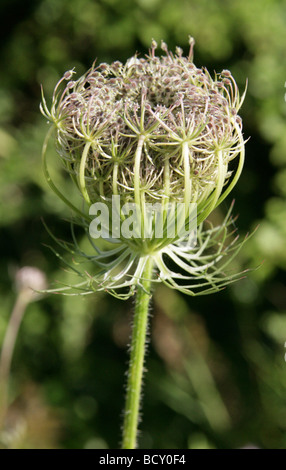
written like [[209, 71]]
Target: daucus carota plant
[[161, 139]]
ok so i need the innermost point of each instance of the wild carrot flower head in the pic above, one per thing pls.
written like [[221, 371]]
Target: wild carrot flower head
[[157, 126], [155, 129]]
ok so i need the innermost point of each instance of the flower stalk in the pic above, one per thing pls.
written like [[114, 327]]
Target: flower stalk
[[136, 365], [28, 281], [23, 299]]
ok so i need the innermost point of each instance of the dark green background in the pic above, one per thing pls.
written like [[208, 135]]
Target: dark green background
[[216, 371]]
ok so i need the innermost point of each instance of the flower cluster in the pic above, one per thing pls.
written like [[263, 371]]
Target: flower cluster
[[155, 129]]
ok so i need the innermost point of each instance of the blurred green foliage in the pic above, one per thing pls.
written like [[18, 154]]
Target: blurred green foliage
[[216, 370]]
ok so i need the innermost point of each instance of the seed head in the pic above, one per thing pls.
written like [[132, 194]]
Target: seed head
[[155, 127]]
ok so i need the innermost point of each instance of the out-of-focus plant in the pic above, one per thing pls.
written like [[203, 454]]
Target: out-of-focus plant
[[28, 280]]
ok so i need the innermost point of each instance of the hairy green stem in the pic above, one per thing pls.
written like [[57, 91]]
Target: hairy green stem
[[136, 365]]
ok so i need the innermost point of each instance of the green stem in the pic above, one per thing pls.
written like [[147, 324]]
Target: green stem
[[136, 365], [24, 297]]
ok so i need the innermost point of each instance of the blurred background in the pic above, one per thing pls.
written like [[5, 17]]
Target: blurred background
[[216, 369]]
